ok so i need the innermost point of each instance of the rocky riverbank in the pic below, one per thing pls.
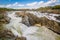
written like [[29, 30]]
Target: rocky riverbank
[[28, 19], [43, 21], [4, 33]]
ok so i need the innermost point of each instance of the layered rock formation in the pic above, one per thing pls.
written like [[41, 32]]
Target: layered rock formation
[[43, 21]]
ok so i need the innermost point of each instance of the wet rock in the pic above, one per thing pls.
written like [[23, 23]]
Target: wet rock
[[50, 24], [21, 38], [4, 18], [32, 19], [57, 17], [24, 18], [6, 35], [28, 18], [20, 14], [43, 21]]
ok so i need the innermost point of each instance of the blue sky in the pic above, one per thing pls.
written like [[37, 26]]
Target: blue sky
[[20, 1], [28, 3]]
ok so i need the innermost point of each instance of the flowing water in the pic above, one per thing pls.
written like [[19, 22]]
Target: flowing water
[[31, 33]]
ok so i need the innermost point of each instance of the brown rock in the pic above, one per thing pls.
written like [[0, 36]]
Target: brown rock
[[43, 21], [21, 38], [57, 17], [20, 14], [3, 17]]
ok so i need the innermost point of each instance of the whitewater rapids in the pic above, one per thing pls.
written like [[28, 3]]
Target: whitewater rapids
[[31, 33]]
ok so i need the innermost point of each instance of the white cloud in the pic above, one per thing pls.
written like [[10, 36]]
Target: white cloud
[[2, 5], [31, 5], [9, 5], [16, 4], [53, 0], [58, 2]]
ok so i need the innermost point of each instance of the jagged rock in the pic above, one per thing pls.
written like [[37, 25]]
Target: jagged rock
[[50, 24], [57, 17], [20, 14], [8, 35], [3, 20], [43, 21], [32, 19], [3, 17], [21, 38]]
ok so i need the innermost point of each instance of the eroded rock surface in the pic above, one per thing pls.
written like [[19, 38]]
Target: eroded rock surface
[[6, 34], [43, 21]]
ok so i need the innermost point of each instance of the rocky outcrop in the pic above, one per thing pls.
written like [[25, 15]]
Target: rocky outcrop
[[20, 38], [50, 24], [8, 35], [43, 21], [32, 19], [3, 17], [20, 14]]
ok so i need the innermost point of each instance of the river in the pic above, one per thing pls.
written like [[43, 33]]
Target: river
[[32, 32]]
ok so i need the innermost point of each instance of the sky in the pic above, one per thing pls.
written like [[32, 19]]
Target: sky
[[30, 4]]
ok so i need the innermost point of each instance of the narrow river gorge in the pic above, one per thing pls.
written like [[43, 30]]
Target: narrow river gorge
[[32, 25]]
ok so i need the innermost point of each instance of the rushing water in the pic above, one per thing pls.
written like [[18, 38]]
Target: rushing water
[[31, 33]]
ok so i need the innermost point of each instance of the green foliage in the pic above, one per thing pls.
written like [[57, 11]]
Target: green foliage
[[56, 7], [49, 7], [6, 9], [1, 16], [41, 8]]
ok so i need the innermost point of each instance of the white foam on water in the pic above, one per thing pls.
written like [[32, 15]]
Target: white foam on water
[[31, 33], [50, 16]]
